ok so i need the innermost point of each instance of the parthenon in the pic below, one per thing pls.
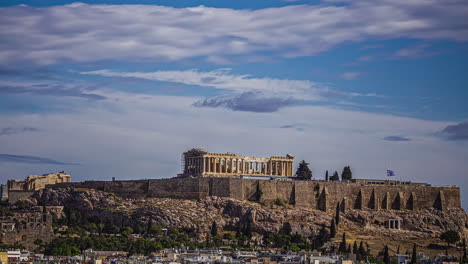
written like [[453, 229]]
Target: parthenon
[[201, 163]]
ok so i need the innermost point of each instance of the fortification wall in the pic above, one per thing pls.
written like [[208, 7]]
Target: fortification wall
[[14, 195], [311, 194]]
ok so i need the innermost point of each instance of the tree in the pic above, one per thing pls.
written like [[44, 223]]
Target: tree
[[398, 250], [337, 214], [248, 230], [346, 175], [355, 248], [386, 256], [214, 229], [322, 237], [451, 237], [362, 251], [335, 177], [342, 248], [465, 258], [414, 255], [303, 172], [332, 228], [150, 224], [326, 176], [126, 231], [228, 236]]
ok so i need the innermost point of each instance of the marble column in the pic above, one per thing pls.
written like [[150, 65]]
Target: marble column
[[203, 164]]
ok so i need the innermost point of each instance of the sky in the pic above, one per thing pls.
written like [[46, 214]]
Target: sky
[[118, 88]]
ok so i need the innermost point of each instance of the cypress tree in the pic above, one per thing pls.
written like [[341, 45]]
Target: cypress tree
[[337, 214], [355, 248], [342, 248], [465, 258], [326, 175], [362, 251], [214, 229], [414, 255], [386, 256], [248, 230], [398, 250], [332, 228]]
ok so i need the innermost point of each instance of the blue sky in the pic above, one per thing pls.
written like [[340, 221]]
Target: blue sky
[[120, 89]]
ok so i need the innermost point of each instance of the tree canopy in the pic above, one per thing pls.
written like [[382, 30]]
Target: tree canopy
[[335, 177], [450, 237], [346, 175], [303, 171]]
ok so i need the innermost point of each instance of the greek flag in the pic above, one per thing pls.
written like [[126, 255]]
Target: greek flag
[[390, 173]]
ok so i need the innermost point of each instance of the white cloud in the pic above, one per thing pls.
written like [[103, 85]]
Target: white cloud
[[223, 79], [84, 33]]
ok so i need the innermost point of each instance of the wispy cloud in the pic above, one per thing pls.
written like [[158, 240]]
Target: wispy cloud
[[360, 60], [396, 138], [456, 132], [223, 79], [85, 33], [249, 102], [50, 89], [416, 51], [352, 75], [16, 130], [31, 160]]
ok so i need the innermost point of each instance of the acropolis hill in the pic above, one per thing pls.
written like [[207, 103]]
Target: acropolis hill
[[235, 191], [268, 179]]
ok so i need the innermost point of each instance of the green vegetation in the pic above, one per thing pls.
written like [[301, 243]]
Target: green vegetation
[[214, 229], [414, 255], [332, 228], [337, 214], [342, 249], [117, 200], [451, 237], [303, 172], [335, 177], [386, 255], [346, 175], [280, 202]]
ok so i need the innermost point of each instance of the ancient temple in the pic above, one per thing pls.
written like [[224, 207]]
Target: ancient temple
[[198, 162]]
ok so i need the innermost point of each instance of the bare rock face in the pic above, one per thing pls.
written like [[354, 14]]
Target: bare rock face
[[427, 221], [197, 216]]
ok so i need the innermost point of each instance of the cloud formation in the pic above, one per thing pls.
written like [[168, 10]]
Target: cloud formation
[[223, 79], [50, 89], [5, 158], [249, 102], [456, 132], [16, 130], [396, 138], [84, 33]]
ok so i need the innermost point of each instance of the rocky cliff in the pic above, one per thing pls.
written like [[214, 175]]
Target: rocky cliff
[[196, 216]]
